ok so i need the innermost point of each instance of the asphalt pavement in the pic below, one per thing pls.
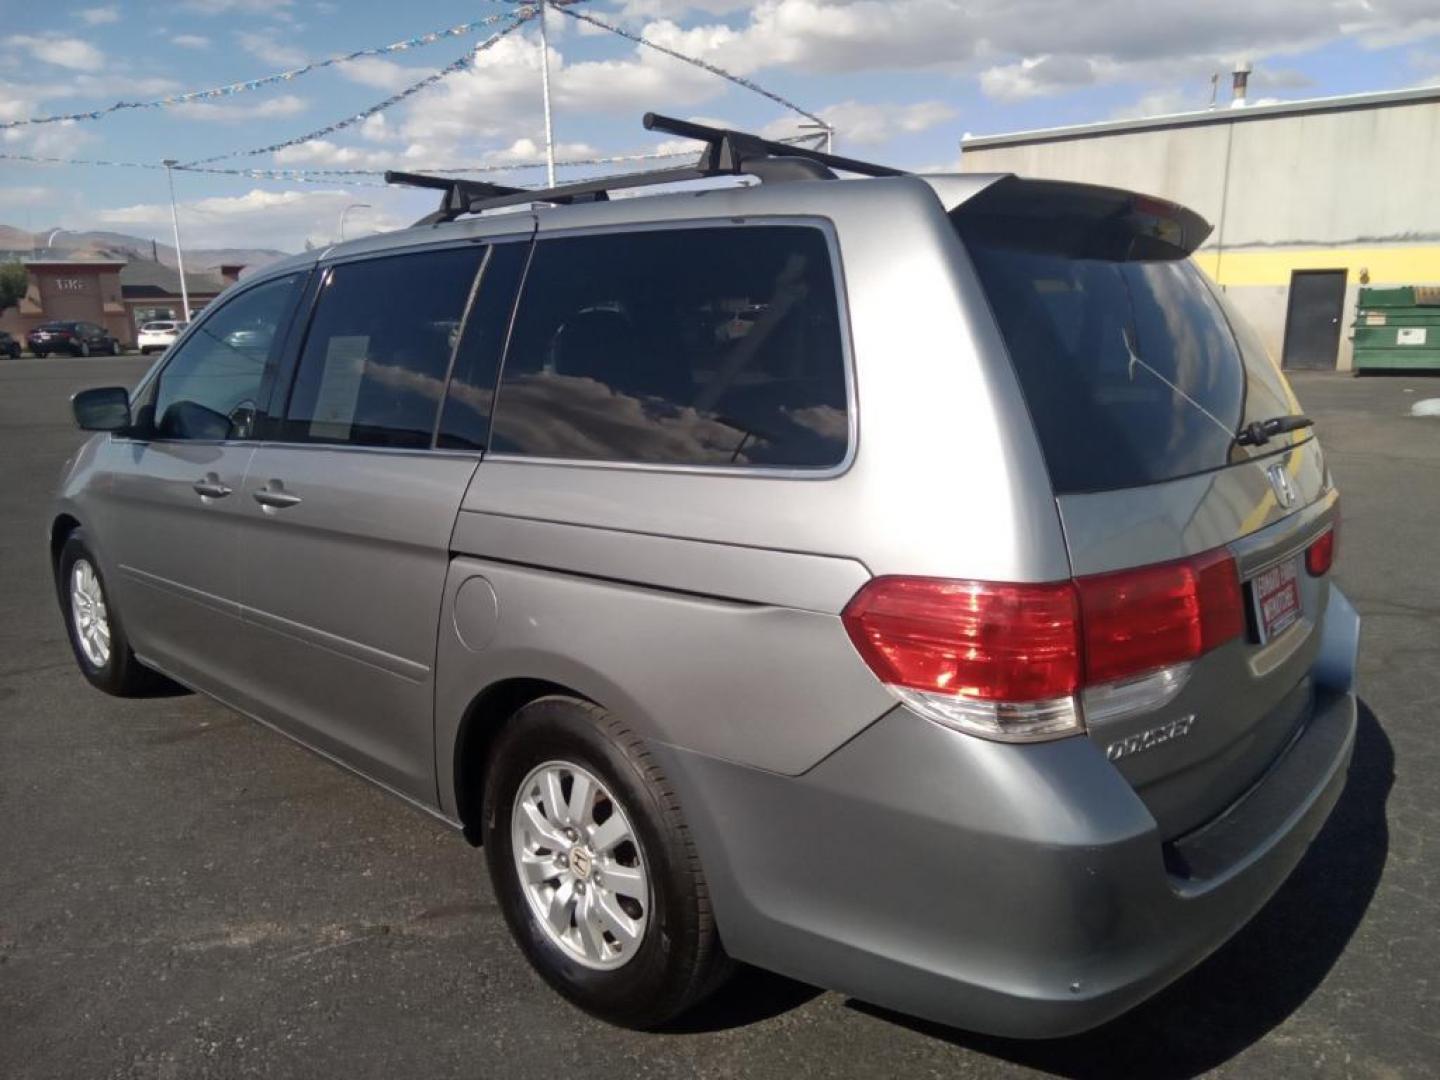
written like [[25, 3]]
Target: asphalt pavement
[[184, 893]]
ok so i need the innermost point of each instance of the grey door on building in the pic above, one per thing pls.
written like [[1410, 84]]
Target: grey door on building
[[1312, 319]]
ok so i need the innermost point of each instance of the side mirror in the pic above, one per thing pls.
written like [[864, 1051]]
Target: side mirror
[[105, 408]]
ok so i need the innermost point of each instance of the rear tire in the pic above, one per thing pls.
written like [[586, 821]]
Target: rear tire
[[40, 354], [104, 654], [84, 349], [114, 348], [676, 959]]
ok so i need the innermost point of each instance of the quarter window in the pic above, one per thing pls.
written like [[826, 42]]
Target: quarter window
[[378, 352], [702, 346], [210, 387]]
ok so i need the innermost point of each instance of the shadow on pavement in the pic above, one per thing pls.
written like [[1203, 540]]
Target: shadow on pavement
[[750, 996], [1253, 982]]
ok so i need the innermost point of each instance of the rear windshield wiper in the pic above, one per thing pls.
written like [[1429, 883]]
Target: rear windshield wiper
[[1261, 432]]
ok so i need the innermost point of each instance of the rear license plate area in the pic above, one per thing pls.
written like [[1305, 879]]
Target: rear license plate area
[[1275, 598]]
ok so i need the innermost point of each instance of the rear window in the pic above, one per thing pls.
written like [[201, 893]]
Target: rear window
[[1132, 368], [158, 326]]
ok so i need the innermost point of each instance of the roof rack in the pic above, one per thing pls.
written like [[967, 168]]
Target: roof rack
[[727, 153]]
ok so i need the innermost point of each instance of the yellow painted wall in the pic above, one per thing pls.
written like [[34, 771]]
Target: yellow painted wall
[[1398, 264]]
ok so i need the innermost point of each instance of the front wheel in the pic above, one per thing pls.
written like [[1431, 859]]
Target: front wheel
[[84, 349], [594, 866], [40, 354], [96, 637], [114, 348]]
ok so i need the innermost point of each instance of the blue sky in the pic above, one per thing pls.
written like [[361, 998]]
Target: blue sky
[[901, 82]]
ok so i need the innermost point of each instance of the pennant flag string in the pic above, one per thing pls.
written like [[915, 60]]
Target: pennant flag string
[[418, 42], [459, 64]]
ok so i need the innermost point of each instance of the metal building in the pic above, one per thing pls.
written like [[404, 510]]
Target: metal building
[[1309, 200]]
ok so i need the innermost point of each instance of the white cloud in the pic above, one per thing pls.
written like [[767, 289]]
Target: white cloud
[[99, 16], [1042, 46], [377, 129], [191, 41], [229, 113], [1160, 103], [867, 124], [266, 45], [1037, 75], [259, 218], [386, 74], [20, 196], [324, 154], [670, 9], [274, 8], [66, 52]]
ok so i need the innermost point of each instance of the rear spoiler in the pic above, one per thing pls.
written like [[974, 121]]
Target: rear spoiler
[[1081, 219]]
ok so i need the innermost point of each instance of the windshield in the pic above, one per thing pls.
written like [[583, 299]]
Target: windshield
[[1133, 370]]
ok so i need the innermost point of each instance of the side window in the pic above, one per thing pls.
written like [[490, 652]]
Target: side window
[[465, 421], [210, 388], [700, 346], [378, 351]]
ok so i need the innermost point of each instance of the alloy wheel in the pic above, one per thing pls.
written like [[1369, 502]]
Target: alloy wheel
[[89, 613], [580, 865]]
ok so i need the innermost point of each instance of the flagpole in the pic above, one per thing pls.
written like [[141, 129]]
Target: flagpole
[[545, 91]]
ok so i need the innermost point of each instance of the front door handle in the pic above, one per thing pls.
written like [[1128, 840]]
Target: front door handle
[[210, 487], [273, 496]]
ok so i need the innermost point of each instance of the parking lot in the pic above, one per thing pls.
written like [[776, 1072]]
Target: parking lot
[[184, 893]]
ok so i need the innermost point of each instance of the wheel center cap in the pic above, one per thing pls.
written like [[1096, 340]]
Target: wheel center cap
[[581, 861]]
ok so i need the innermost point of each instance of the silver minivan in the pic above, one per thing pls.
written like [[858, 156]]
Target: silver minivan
[[915, 585]]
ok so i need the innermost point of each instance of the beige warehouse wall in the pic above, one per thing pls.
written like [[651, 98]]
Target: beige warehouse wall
[[1352, 190], [1330, 178]]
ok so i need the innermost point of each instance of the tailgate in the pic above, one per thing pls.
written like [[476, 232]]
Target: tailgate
[[1168, 434], [1240, 704]]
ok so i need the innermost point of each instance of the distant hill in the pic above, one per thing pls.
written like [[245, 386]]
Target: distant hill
[[15, 241]]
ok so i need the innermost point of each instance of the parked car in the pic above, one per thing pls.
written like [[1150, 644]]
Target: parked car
[[158, 336], [953, 627], [9, 346], [75, 338]]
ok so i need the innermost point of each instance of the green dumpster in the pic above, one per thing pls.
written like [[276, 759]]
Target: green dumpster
[[1398, 328]]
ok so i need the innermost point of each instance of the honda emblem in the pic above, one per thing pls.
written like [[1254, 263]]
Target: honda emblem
[[1280, 481]]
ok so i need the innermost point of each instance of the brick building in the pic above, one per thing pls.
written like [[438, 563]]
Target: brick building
[[117, 294]]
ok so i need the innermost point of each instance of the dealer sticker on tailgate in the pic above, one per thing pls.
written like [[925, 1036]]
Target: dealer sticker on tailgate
[[1277, 597]]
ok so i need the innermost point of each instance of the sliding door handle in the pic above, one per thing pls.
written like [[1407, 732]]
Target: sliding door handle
[[273, 496], [210, 487]]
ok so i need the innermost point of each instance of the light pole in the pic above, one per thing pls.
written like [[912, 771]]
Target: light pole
[[170, 164], [352, 206], [545, 93], [51, 238]]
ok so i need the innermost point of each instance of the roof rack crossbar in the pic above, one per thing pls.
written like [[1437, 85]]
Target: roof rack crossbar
[[726, 153], [459, 193], [726, 144]]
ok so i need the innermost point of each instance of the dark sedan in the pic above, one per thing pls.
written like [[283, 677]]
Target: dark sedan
[[75, 338], [9, 346]]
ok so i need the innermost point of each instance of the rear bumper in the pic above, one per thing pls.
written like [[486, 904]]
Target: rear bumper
[[1011, 889]]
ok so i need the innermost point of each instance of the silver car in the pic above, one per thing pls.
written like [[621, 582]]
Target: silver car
[[915, 585]]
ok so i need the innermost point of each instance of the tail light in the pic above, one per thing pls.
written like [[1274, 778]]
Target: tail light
[[1010, 661], [1320, 555]]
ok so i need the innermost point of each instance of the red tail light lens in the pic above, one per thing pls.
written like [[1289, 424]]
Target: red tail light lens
[[941, 644], [1320, 555], [991, 642], [1139, 620]]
